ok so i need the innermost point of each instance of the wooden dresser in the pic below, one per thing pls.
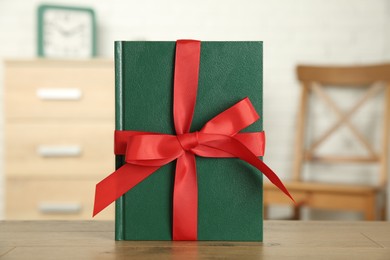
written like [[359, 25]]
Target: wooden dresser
[[59, 122]]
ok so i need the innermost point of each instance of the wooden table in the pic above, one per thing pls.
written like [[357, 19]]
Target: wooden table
[[283, 240]]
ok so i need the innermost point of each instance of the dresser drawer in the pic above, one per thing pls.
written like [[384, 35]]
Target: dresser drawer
[[52, 199], [59, 89], [59, 150]]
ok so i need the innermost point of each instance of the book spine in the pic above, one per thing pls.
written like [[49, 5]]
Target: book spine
[[261, 113], [119, 210]]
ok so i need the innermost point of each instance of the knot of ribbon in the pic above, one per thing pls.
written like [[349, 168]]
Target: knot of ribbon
[[188, 141], [146, 152]]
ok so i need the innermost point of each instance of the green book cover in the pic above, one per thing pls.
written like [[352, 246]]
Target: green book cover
[[230, 190]]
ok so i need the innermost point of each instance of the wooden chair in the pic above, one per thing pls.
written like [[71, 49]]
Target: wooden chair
[[314, 81]]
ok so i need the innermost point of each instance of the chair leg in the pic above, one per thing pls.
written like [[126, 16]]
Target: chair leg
[[369, 213], [265, 211], [383, 213], [384, 208], [297, 213]]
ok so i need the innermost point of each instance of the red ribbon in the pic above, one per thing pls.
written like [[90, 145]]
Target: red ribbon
[[146, 152]]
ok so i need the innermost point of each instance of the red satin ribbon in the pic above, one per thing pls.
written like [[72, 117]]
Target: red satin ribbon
[[146, 152]]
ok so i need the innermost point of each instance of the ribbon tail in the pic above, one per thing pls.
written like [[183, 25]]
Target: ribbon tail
[[118, 183], [239, 150], [185, 199], [271, 175]]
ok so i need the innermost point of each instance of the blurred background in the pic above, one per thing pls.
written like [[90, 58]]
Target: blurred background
[[315, 32]]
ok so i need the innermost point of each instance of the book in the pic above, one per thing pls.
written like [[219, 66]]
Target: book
[[229, 190]]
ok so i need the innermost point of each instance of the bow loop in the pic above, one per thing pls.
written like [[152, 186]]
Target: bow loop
[[232, 120]]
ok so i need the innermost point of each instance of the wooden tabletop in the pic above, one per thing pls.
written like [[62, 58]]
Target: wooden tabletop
[[282, 240]]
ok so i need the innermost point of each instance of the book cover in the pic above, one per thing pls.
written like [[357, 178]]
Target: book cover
[[229, 190]]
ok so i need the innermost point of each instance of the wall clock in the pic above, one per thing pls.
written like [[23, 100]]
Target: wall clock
[[66, 32]]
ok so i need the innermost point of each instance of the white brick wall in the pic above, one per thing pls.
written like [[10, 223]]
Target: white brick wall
[[300, 31]]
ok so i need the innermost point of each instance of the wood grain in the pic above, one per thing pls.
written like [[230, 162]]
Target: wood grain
[[369, 200], [95, 139], [283, 240], [346, 76], [94, 78], [300, 132], [385, 139], [372, 91], [318, 89], [62, 186], [25, 196]]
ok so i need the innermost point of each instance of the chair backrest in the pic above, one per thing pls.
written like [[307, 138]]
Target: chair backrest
[[313, 80]]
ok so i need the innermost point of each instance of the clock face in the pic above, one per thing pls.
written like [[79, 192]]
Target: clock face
[[67, 33]]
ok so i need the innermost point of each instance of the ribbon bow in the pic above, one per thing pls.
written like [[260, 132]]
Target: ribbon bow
[[146, 152]]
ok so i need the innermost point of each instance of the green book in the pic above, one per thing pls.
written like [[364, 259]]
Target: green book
[[230, 190]]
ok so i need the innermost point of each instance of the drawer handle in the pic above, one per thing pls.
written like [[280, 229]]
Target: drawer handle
[[59, 93], [59, 150], [59, 208]]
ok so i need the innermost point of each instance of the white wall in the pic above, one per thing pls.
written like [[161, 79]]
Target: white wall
[[300, 31]]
